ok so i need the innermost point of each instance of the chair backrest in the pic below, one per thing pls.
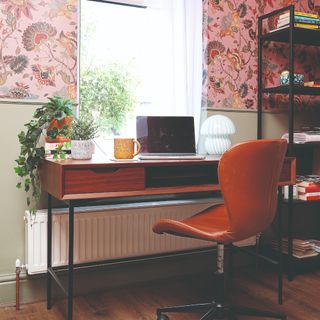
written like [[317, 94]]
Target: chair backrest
[[248, 174]]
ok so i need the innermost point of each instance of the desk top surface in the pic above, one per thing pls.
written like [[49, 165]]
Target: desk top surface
[[104, 161]]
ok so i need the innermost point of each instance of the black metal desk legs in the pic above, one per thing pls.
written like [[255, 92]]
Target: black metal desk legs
[[70, 265], [51, 275], [49, 253], [280, 257]]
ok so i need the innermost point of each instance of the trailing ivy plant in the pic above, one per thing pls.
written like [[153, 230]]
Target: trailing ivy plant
[[31, 153]]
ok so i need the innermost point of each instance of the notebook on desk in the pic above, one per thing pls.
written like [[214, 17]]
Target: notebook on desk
[[166, 138]]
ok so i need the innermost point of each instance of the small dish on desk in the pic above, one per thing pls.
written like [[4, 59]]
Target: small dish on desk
[[124, 160]]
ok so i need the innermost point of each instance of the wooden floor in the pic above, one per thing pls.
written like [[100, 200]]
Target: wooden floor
[[248, 287]]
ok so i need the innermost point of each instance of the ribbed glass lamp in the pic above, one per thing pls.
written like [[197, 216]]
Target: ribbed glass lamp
[[217, 129]]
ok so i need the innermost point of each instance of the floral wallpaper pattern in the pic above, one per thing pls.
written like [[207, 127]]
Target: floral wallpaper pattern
[[38, 49], [230, 55]]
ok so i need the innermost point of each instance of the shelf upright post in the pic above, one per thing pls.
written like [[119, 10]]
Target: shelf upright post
[[290, 145], [259, 111]]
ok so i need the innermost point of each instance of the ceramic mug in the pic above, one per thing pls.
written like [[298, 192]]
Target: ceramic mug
[[124, 148]]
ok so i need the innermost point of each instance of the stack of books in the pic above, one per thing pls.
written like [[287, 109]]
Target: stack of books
[[308, 190], [300, 248], [301, 20]]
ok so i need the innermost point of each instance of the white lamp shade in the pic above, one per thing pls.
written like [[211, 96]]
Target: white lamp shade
[[217, 145], [217, 125]]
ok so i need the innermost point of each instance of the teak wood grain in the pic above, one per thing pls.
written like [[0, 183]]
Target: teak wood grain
[[88, 180], [96, 178]]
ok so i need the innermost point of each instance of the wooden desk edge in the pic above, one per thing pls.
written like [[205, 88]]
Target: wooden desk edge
[[56, 172]]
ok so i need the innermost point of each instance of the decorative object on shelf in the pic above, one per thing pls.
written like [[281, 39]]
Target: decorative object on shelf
[[217, 129], [31, 151], [82, 133], [298, 78]]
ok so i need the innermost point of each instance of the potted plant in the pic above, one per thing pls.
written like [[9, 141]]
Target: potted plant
[[31, 152], [82, 133], [62, 116]]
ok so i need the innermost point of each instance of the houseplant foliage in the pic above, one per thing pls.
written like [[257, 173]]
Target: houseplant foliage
[[31, 152], [83, 130]]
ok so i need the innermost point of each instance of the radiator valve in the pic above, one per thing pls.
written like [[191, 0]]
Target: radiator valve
[[19, 267]]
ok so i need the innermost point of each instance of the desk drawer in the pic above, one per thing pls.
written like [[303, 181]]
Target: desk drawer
[[97, 180]]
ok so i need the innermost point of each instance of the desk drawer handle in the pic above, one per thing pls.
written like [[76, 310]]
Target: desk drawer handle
[[105, 170]]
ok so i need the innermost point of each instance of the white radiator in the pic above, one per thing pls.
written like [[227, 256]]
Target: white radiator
[[103, 233]]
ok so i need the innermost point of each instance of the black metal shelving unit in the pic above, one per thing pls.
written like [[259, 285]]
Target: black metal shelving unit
[[291, 35]]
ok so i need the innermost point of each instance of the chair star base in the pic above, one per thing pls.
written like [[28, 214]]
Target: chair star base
[[217, 311]]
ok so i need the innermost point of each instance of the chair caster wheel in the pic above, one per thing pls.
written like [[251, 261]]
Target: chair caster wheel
[[163, 317]]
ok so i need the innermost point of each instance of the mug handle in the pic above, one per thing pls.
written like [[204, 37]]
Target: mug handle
[[138, 147]]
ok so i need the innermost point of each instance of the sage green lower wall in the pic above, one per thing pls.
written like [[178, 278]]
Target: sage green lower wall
[[12, 206]]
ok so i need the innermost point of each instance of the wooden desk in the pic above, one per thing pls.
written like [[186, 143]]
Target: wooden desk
[[74, 181]]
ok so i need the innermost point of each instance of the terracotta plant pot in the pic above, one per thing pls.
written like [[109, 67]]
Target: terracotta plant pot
[[59, 124]]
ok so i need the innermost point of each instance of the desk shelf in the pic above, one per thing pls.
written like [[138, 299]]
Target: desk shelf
[[300, 36], [298, 90], [191, 175]]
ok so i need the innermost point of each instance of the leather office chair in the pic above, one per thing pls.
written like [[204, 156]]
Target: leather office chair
[[248, 175]]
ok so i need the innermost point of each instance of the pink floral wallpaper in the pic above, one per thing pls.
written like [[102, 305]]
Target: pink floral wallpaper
[[230, 55], [38, 49]]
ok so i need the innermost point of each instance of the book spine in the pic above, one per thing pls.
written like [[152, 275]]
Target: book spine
[[306, 14], [306, 20], [282, 23], [309, 84], [309, 189], [310, 194], [307, 26], [307, 184], [308, 198], [286, 192], [298, 19], [299, 14]]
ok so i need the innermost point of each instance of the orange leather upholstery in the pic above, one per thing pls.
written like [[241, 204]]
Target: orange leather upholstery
[[248, 174]]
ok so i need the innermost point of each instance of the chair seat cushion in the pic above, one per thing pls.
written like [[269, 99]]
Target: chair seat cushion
[[211, 224]]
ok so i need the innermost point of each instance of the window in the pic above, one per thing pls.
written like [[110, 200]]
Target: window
[[140, 52]]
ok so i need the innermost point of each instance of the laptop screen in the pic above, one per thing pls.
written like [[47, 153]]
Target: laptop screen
[[166, 135]]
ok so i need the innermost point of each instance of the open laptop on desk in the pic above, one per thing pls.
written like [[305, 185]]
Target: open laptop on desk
[[166, 138]]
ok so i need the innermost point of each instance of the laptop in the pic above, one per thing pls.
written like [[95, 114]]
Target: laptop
[[166, 138]]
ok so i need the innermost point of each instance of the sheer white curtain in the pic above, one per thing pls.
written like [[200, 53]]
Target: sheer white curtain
[[187, 24], [183, 26]]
